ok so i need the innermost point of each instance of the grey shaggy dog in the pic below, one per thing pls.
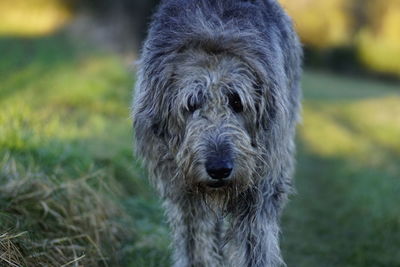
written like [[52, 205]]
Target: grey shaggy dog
[[216, 105]]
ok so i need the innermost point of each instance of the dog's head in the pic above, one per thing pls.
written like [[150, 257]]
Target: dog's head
[[217, 101], [212, 119]]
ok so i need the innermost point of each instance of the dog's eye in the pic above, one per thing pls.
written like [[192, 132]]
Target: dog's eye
[[194, 103], [192, 106], [235, 102]]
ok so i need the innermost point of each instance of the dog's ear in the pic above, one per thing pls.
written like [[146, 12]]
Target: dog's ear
[[153, 90], [147, 120], [148, 116], [160, 122]]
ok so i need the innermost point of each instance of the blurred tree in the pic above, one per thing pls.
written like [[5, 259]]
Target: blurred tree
[[33, 17], [379, 39], [344, 34], [321, 23], [341, 34], [136, 14]]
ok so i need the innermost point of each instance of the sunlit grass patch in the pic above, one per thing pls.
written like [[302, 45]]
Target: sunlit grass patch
[[378, 120], [52, 138], [95, 84], [49, 77], [364, 130], [352, 118], [325, 136], [51, 118]]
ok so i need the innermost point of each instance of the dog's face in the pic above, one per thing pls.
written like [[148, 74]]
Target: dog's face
[[214, 120]]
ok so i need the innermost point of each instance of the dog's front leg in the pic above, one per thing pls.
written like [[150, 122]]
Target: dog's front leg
[[195, 234], [253, 239]]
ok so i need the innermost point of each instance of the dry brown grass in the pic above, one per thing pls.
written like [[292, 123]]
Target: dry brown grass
[[53, 221]]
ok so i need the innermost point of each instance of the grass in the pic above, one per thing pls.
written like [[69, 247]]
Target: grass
[[345, 212], [72, 194], [65, 117]]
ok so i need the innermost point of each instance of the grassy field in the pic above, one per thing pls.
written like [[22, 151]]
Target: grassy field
[[71, 191]]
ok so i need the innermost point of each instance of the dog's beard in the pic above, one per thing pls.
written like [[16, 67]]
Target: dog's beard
[[220, 199]]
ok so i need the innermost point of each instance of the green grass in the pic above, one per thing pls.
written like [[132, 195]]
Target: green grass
[[65, 115], [346, 210]]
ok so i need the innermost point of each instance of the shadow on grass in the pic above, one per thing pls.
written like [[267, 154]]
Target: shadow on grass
[[345, 214], [322, 86]]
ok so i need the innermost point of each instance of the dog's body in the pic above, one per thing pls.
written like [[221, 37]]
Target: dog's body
[[217, 102]]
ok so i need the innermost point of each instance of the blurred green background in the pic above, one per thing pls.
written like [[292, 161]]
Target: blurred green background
[[72, 194]]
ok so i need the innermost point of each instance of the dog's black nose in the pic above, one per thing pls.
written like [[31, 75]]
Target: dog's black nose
[[219, 169]]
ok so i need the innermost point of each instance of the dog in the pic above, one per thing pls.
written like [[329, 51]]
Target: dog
[[216, 105]]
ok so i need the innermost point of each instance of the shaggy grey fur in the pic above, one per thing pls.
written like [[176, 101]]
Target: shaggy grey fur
[[218, 85]]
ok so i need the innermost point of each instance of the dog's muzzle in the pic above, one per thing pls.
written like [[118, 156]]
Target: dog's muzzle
[[219, 170]]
